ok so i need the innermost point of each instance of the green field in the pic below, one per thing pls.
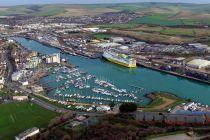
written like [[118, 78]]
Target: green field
[[102, 36], [158, 19], [117, 26], [162, 101], [17, 117]]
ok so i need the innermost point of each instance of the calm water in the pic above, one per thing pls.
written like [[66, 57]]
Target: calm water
[[122, 77]]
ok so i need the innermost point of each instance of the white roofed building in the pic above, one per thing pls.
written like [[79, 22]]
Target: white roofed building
[[1, 82], [198, 63], [117, 39], [16, 76], [28, 133], [107, 45], [20, 98]]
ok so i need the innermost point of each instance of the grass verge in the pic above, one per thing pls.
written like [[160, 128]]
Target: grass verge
[[17, 117]]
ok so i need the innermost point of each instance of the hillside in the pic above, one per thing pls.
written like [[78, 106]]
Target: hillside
[[155, 22], [176, 10]]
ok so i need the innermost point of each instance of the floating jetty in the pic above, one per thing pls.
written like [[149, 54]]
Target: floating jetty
[[141, 88], [69, 65]]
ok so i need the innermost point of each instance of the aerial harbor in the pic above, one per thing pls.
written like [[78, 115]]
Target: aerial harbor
[[93, 72], [104, 71]]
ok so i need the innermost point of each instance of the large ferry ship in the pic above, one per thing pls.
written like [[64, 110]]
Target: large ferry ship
[[120, 59]]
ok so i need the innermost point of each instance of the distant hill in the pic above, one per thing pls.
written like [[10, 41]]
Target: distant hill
[[177, 10]]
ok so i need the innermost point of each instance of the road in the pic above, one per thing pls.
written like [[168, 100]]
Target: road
[[47, 105], [182, 136], [7, 56], [16, 87]]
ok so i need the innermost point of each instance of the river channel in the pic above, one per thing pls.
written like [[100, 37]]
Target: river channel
[[122, 77]]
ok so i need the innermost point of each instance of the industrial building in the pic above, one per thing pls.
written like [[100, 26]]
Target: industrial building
[[106, 45], [1, 82], [16, 76], [117, 39], [20, 98], [94, 30], [198, 63], [52, 40], [124, 49]]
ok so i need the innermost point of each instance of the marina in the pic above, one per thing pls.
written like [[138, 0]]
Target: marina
[[71, 84], [100, 81]]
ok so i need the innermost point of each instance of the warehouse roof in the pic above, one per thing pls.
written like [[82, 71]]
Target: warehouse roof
[[199, 63], [105, 45]]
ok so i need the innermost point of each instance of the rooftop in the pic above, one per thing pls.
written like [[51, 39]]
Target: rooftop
[[24, 134], [199, 62]]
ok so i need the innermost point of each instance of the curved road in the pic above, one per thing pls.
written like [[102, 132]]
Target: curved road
[[6, 56]]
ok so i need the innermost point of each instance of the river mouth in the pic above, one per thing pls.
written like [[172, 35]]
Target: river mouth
[[122, 77]]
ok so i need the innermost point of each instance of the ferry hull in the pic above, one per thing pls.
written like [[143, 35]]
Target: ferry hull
[[121, 63]]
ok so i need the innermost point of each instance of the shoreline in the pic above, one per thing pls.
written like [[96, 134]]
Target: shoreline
[[173, 73], [161, 101], [64, 51]]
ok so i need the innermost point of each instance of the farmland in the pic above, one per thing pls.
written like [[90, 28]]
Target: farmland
[[17, 117], [102, 36], [164, 23], [162, 34], [158, 19], [156, 22], [186, 32]]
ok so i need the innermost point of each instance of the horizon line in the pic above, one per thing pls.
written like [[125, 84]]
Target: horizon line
[[98, 3]]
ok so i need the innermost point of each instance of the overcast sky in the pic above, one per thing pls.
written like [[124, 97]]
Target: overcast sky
[[22, 2]]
